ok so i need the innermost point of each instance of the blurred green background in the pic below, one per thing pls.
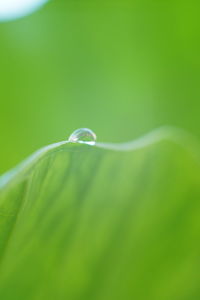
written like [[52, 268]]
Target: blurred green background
[[118, 67]]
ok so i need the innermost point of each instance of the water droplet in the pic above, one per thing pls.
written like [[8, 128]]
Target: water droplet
[[83, 135]]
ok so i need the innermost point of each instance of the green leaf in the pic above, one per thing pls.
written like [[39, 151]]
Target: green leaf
[[103, 222]]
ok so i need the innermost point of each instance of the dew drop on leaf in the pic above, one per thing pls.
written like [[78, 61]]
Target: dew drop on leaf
[[83, 135]]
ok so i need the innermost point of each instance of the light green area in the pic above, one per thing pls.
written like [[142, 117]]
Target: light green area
[[84, 222], [119, 67], [110, 222]]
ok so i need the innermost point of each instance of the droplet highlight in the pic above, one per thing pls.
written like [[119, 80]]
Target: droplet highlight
[[83, 135]]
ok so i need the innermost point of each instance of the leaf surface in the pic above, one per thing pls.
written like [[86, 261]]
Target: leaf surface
[[102, 222]]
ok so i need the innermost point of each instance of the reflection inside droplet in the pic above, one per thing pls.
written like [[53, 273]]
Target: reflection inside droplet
[[13, 9], [83, 135]]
